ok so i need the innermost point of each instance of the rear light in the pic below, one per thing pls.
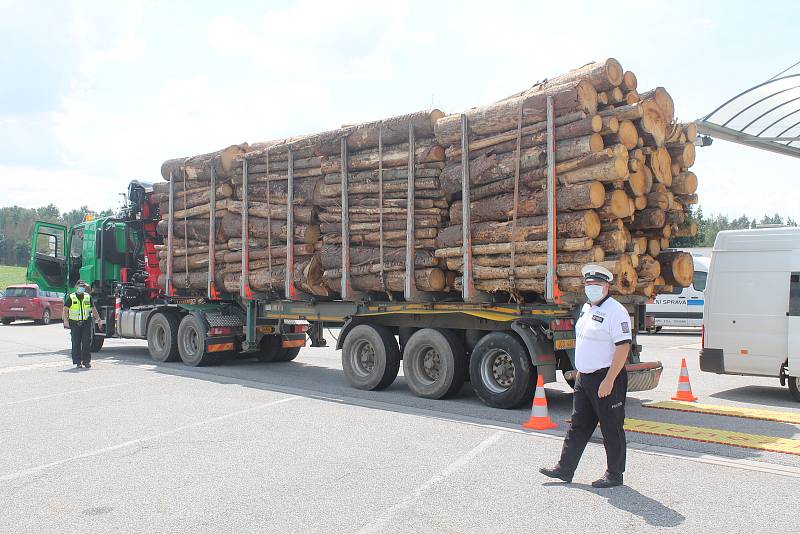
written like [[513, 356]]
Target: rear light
[[703, 336], [300, 328], [561, 324], [36, 300], [220, 331]]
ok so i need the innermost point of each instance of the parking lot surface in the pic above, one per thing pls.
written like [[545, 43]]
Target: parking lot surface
[[290, 447]]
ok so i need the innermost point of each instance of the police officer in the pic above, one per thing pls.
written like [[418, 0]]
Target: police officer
[[78, 311], [603, 340]]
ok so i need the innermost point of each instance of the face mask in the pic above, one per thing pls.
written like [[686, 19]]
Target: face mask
[[79, 290], [593, 293]]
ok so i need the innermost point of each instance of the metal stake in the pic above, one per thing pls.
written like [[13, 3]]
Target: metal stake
[[410, 285]]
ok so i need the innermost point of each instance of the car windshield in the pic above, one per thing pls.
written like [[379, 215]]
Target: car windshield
[[20, 292]]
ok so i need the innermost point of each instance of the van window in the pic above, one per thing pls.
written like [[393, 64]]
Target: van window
[[794, 294], [676, 290], [699, 282]]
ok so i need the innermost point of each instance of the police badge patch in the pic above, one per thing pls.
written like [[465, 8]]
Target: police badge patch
[[626, 327]]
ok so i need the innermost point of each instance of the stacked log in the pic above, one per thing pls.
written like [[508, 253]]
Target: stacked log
[[623, 185]]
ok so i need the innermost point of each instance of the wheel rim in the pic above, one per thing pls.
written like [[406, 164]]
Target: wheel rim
[[498, 371], [190, 341], [428, 365], [159, 338], [363, 359], [46, 317]]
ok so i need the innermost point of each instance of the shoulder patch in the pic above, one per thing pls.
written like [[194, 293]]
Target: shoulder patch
[[626, 327]]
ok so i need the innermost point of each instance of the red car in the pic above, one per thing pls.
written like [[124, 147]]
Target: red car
[[27, 301]]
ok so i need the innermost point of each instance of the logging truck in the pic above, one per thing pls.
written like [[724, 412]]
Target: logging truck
[[499, 347]]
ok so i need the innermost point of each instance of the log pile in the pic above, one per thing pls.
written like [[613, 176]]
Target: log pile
[[622, 168], [623, 185]]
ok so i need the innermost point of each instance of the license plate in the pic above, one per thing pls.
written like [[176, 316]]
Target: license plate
[[15, 309], [563, 344]]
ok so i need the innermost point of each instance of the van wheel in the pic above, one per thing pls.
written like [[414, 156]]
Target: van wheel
[[162, 338], [370, 357], [192, 342], [794, 387], [45, 320], [501, 372], [434, 363]]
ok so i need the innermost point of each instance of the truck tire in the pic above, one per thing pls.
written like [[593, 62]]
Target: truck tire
[[794, 387], [192, 342], [97, 343], [434, 363], [269, 349], [7, 320], [501, 372], [45, 320], [370, 357], [162, 338]]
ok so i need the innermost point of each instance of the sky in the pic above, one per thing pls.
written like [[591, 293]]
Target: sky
[[95, 94]]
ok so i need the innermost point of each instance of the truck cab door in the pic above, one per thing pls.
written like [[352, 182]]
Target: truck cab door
[[48, 264], [793, 325]]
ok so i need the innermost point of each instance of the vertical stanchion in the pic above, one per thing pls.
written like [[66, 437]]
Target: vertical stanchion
[[212, 242], [244, 285], [289, 290], [410, 285], [380, 211], [552, 293], [346, 289], [170, 231], [468, 287]]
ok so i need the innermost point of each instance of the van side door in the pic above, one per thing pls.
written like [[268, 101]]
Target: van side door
[[793, 324], [695, 299]]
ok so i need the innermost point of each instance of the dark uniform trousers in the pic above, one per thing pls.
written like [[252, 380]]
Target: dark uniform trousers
[[81, 333], [589, 410]]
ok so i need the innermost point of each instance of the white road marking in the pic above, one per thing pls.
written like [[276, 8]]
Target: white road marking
[[409, 499], [98, 452], [84, 390]]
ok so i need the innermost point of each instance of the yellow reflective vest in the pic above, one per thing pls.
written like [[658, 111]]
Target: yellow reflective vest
[[80, 309]]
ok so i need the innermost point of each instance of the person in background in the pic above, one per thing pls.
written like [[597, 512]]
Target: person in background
[[79, 310]]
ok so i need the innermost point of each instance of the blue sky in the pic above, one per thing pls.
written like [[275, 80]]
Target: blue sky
[[94, 94]]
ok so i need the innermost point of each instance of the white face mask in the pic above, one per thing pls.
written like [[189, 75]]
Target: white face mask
[[593, 293]]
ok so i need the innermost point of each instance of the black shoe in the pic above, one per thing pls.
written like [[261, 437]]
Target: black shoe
[[607, 481], [78, 365], [87, 365], [555, 473]]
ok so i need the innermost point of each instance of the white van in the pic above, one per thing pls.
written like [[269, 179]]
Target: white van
[[752, 309], [684, 306]]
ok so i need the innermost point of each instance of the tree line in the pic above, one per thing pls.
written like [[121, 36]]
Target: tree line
[[16, 227], [709, 225]]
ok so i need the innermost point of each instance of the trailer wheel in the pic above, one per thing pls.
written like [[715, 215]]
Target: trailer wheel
[[162, 338], [289, 354], [501, 372], [370, 357], [434, 363], [794, 387], [192, 342], [269, 349], [97, 343]]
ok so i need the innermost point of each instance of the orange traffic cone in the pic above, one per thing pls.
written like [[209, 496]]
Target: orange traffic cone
[[684, 392], [539, 419]]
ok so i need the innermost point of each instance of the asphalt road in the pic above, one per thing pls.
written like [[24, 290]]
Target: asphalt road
[[290, 447]]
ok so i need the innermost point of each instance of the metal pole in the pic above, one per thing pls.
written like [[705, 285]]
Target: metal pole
[[212, 230], [550, 280], [244, 283], [410, 285], [346, 289], [168, 283], [468, 287], [289, 289]]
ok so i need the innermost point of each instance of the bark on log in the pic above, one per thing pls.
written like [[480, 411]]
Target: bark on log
[[683, 154], [568, 284], [607, 171], [574, 224], [331, 256], [603, 76], [197, 229], [231, 226], [390, 174], [431, 279], [307, 278], [302, 214], [425, 151], [684, 184], [193, 197], [199, 167], [648, 218], [502, 116], [260, 253], [522, 247], [304, 190], [372, 188], [583, 196], [613, 242]]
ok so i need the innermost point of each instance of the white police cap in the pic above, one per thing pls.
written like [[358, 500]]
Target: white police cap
[[597, 272]]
